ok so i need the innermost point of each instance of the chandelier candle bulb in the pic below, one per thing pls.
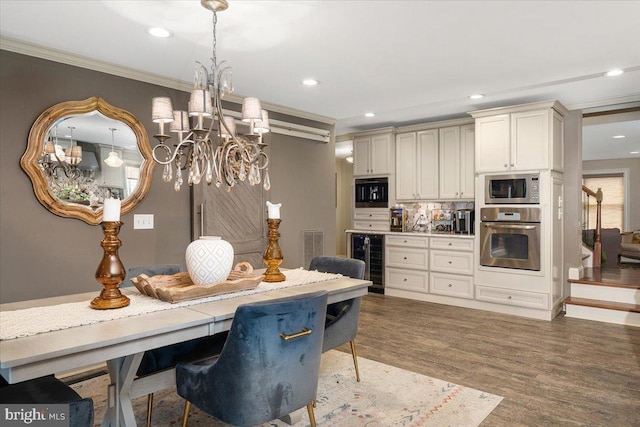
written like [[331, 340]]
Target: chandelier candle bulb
[[273, 210], [111, 210]]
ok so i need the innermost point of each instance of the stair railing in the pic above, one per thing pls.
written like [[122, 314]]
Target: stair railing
[[597, 243]]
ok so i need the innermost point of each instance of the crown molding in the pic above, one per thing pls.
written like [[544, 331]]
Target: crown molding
[[38, 51]]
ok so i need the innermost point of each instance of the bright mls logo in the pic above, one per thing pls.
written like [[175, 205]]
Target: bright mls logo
[[34, 415]]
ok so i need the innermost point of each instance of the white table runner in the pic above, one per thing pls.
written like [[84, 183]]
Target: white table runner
[[37, 320]]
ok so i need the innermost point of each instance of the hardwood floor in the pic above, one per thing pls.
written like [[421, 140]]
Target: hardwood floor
[[568, 372]]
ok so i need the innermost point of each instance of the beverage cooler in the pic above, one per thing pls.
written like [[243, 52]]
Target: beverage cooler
[[370, 249]]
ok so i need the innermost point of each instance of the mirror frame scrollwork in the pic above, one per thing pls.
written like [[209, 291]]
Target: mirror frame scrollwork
[[35, 146]]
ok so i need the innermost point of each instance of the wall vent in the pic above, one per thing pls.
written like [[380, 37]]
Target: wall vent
[[312, 245]]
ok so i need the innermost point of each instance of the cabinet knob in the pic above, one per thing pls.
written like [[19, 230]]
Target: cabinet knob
[[405, 279], [450, 243], [370, 215], [370, 225], [513, 164], [461, 193], [405, 257], [506, 165], [449, 262], [456, 193], [405, 241], [509, 297], [450, 285]]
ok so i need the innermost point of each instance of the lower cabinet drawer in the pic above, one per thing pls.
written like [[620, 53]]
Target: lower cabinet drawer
[[406, 257], [371, 225], [451, 285], [511, 297], [452, 262], [408, 280]]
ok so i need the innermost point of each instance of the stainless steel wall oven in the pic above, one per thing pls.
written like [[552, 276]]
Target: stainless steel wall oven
[[510, 238]]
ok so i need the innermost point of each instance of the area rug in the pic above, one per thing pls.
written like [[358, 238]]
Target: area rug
[[386, 396]]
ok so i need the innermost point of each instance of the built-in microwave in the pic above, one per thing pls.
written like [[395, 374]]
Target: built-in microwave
[[372, 192], [518, 188]]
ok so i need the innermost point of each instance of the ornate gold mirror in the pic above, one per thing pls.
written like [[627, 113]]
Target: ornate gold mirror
[[81, 152]]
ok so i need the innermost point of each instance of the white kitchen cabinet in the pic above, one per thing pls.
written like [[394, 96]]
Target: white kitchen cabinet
[[457, 164], [407, 263], [376, 219], [373, 155], [417, 165], [451, 266], [520, 138]]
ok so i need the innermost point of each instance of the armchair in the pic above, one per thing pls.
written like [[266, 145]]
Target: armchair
[[268, 366], [163, 358], [48, 391], [341, 325]]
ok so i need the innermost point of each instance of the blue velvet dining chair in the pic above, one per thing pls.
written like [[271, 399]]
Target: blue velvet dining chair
[[341, 325], [268, 367], [163, 358], [49, 391]]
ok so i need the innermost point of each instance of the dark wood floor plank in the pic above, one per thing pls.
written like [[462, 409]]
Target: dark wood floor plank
[[568, 372]]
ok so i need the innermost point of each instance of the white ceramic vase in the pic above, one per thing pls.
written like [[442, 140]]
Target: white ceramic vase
[[209, 260]]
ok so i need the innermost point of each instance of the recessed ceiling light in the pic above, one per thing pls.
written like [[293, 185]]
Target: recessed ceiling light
[[369, 114], [477, 96], [619, 136], [159, 32], [310, 82], [634, 152], [613, 73]]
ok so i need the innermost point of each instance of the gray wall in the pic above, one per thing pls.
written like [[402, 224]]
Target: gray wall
[[43, 255], [633, 165]]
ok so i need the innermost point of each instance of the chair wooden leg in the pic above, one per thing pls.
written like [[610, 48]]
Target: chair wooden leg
[[185, 418], [149, 408], [355, 358], [312, 417]]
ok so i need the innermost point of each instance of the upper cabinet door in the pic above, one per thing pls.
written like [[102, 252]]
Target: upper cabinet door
[[428, 169], [450, 162], [530, 140], [381, 158], [361, 156], [492, 143], [406, 166], [467, 161]]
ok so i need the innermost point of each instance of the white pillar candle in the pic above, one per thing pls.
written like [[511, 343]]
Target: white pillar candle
[[93, 200], [273, 210], [111, 210]]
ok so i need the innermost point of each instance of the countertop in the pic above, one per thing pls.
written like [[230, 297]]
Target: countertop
[[413, 233]]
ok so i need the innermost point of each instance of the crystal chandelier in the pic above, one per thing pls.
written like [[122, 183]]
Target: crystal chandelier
[[212, 151]]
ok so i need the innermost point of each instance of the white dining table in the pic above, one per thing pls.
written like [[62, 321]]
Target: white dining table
[[122, 342]]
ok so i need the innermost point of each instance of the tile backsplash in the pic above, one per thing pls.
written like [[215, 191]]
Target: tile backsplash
[[420, 215]]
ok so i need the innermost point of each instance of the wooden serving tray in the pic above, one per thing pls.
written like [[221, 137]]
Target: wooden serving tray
[[179, 287]]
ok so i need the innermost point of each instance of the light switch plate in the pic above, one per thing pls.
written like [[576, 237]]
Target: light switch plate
[[143, 222]]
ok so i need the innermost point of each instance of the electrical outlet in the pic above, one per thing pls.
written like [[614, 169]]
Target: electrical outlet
[[143, 222]]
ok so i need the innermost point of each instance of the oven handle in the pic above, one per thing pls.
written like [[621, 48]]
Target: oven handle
[[511, 226]]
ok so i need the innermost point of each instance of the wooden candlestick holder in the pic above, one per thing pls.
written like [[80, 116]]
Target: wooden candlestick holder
[[110, 272], [273, 255]]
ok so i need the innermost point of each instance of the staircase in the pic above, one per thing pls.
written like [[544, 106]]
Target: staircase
[[609, 295], [605, 294]]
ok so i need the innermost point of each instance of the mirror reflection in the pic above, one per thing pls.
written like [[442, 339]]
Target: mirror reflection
[[90, 157], [81, 152]]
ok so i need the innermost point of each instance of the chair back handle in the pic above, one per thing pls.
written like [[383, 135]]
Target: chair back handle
[[302, 333]]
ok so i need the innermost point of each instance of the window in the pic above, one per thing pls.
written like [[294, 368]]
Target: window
[[133, 176], [613, 200]]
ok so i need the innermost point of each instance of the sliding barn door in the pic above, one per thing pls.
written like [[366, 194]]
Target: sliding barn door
[[237, 216]]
